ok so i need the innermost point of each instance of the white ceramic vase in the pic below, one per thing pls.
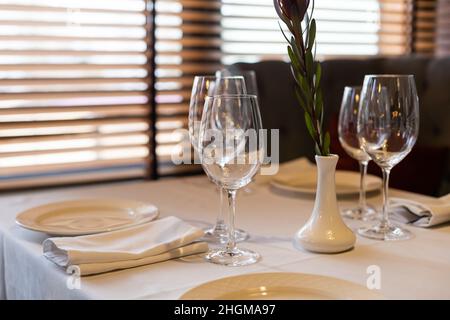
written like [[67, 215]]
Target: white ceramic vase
[[325, 231]]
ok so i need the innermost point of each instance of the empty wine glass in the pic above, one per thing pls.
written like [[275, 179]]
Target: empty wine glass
[[388, 126], [204, 86], [252, 88], [230, 153], [347, 129]]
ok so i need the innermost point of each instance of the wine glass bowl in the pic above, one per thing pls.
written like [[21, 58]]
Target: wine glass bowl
[[388, 126], [348, 137], [347, 129], [251, 86]]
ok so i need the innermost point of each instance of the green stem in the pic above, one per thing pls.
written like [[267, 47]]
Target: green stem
[[296, 24], [298, 36]]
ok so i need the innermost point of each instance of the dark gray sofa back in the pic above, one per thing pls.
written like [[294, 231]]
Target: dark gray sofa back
[[280, 110], [279, 107]]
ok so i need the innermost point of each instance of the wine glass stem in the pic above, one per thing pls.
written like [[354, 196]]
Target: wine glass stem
[[385, 218], [220, 223], [231, 245], [362, 185]]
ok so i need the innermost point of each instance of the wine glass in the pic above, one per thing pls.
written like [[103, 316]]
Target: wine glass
[[252, 88], [204, 86], [347, 129], [388, 126], [230, 153]]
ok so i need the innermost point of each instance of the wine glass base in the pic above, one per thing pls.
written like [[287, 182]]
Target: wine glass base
[[220, 235], [236, 258], [385, 233], [366, 214]]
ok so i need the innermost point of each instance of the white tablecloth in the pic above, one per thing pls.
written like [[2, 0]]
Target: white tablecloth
[[417, 268]]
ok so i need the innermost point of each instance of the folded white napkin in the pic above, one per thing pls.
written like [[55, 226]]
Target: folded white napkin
[[424, 214], [156, 241]]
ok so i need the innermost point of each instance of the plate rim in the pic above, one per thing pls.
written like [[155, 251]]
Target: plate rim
[[374, 188], [152, 215], [188, 295]]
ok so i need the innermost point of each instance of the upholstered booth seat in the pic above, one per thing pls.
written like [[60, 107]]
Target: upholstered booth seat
[[425, 170]]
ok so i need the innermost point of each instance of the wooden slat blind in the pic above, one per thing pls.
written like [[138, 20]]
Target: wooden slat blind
[[344, 28], [443, 28], [74, 87], [188, 43], [424, 22]]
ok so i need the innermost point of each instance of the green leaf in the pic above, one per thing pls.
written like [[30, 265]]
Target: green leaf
[[326, 144], [307, 21], [296, 50], [309, 126], [312, 34], [318, 75], [292, 42], [293, 58], [305, 89], [309, 66], [301, 98], [294, 75], [318, 106]]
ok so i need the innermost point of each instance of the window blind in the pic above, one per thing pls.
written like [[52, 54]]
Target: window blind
[[74, 91], [344, 28], [188, 43], [424, 23], [443, 28]]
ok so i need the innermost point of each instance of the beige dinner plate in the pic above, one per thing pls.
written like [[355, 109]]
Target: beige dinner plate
[[86, 216], [285, 286], [347, 182]]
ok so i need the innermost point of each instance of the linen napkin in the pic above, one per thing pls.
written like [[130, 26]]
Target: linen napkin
[[156, 241], [427, 213]]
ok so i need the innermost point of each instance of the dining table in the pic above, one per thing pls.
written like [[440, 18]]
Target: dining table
[[418, 268]]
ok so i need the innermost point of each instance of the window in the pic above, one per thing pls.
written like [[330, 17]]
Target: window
[[187, 44], [344, 28], [74, 86], [424, 21], [443, 27], [84, 98]]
